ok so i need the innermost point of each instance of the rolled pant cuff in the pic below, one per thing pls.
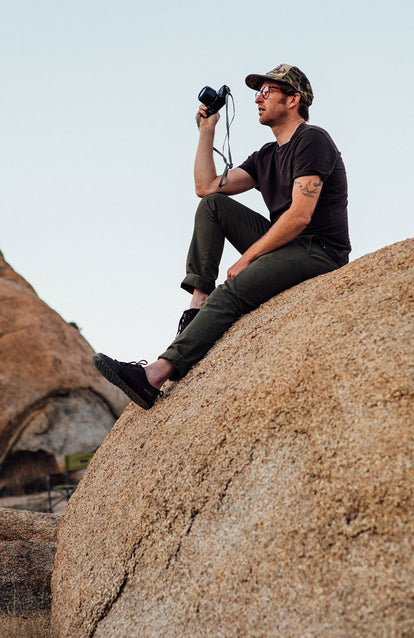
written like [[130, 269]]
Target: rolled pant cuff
[[181, 367], [194, 281]]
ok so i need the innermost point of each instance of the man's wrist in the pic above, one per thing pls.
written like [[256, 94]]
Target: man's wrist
[[207, 132], [250, 255]]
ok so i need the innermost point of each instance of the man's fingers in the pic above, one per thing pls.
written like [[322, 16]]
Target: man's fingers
[[212, 119], [201, 111], [230, 273]]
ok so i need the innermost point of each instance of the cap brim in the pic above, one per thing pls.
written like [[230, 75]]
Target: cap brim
[[254, 81]]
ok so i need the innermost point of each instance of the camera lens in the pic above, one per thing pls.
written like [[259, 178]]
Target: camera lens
[[207, 95]]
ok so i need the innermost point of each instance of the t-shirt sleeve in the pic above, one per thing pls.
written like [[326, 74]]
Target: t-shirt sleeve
[[250, 166], [315, 154]]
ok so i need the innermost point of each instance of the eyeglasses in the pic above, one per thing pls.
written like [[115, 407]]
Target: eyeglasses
[[265, 92]]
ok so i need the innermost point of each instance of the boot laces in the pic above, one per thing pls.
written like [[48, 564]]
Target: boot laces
[[143, 362]]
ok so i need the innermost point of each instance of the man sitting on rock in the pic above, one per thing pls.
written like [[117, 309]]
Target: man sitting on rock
[[302, 179]]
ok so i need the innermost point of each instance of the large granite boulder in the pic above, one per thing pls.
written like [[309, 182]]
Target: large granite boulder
[[27, 552], [52, 400], [270, 492]]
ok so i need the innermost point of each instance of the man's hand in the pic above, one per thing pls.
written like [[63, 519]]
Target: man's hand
[[240, 265], [206, 122]]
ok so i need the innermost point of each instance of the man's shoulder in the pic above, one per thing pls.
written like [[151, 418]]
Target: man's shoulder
[[262, 153], [267, 148], [312, 132], [305, 127]]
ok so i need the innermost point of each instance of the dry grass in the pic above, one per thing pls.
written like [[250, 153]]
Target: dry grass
[[37, 625]]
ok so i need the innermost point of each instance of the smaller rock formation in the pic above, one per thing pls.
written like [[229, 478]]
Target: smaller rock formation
[[52, 400], [27, 551]]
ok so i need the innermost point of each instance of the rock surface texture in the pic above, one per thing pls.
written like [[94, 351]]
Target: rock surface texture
[[269, 493], [52, 400], [27, 551]]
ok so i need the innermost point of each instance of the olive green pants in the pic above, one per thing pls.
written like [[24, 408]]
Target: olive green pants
[[218, 218]]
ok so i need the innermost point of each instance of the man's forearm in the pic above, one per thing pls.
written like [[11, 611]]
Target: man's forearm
[[305, 195], [204, 167], [287, 228]]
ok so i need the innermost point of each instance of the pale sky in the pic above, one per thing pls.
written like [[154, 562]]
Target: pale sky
[[98, 139]]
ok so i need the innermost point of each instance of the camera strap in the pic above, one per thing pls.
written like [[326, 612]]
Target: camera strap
[[228, 162]]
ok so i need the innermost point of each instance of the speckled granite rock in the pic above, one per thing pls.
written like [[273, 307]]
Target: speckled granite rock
[[52, 400], [270, 492], [27, 551]]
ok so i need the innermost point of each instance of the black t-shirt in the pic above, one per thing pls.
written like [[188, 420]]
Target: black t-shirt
[[310, 151]]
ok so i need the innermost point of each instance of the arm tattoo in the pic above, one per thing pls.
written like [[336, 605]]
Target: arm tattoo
[[310, 189]]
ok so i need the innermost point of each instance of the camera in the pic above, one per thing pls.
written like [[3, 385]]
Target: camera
[[213, 100]]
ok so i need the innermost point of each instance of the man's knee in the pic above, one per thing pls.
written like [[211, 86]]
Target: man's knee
[[212, 199], [228, 298], [210, 205]]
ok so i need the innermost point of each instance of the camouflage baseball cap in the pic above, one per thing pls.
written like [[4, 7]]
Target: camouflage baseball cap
[[285, 74]]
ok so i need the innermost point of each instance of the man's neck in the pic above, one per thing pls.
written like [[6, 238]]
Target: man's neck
[[283, 132]]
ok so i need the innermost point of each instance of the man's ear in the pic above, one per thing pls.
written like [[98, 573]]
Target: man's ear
[[295, 99]]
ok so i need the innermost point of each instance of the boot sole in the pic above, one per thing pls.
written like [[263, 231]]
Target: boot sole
[[110, 374]]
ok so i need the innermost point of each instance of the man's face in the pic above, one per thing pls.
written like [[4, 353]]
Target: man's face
[[271, 103]]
